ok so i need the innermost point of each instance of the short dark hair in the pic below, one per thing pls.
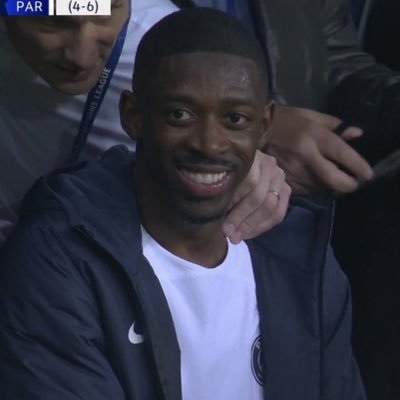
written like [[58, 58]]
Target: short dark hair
[[193, 30]]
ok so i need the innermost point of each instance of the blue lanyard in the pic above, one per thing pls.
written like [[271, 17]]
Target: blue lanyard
[[97, 93]]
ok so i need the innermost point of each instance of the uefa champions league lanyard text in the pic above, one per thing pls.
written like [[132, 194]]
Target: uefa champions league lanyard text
[[97, 93]]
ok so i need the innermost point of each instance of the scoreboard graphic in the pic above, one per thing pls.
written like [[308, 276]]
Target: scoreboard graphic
[[54, 7]]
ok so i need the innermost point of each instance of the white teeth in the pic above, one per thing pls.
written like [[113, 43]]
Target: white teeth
[[204, 178]]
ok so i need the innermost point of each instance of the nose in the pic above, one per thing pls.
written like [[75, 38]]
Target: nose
[[209, 139], [84, 50]]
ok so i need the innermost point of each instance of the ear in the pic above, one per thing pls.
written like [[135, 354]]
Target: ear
[[268, 114], [129, 114]]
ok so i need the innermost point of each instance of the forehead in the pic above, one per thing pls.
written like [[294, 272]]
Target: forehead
[[210, 72]]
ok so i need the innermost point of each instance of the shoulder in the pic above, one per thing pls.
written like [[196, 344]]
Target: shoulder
[[65, 199], [98, 195], [303, 236], [101, 183]]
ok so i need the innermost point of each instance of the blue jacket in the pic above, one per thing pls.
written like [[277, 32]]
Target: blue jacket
[[73, 280]]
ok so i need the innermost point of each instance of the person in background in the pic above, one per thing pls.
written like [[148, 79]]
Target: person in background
[[119, 275]]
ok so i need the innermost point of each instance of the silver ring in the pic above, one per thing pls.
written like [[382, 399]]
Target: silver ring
[[275, 193]]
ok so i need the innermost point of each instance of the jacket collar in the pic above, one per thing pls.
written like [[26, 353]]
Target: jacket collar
[[117, 230]]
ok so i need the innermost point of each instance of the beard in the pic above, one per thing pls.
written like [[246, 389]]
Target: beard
[[197, 219], [196, 212]]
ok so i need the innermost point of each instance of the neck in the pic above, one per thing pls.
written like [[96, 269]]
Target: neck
[[202, 244]]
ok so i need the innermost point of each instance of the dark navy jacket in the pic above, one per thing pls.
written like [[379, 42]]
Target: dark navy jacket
[[74, 279]]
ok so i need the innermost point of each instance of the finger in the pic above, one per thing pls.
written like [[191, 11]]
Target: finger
[[262, 219], [286, 193], [256, 185], [262, 164], [254, 199], [351, 133], [338, 151], [281, 210], [257, 206], [273, 193], [249, 184], [328, 121], [334, 178], [242, 209]]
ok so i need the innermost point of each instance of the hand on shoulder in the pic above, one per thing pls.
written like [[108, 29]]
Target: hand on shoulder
[[260, 202]]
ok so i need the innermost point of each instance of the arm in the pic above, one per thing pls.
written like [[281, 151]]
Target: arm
[[51, 344], [362, 92], [311, 154], [340, 374]]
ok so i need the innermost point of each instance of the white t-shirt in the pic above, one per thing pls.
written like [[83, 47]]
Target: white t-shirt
[[216, 320], [38, 125]]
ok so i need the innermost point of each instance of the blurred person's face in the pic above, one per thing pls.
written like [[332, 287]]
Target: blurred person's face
[[69, 53]]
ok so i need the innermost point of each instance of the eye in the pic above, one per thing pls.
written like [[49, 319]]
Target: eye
[[236, 118], [180, 115]]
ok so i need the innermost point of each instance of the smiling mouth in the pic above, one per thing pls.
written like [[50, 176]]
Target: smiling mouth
[[204, 184], [204, 178]]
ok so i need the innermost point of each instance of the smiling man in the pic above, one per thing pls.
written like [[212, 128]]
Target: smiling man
[[119, 282]]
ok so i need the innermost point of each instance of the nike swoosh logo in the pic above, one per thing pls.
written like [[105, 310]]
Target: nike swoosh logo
[[134, 337]]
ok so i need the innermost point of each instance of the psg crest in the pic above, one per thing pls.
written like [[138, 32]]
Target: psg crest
[[257, 365]]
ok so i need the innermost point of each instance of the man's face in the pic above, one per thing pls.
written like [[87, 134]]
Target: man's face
[[200, 127], [69, 53]]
